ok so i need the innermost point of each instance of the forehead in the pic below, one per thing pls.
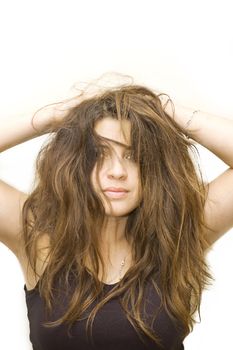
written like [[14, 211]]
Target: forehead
[[114, 129]]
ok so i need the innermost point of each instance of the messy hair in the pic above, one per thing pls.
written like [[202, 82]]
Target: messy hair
[[166, 230]]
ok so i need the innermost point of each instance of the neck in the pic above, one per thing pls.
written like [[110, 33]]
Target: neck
[[113, 244], [113, 232]]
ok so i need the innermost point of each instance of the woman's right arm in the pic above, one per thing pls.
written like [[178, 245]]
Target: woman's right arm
[[14, 131]]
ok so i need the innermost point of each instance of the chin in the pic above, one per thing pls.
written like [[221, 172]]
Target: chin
[[117, 215], [118, 212]]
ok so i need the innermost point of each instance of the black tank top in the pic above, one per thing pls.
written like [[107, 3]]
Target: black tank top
[[111, 328]]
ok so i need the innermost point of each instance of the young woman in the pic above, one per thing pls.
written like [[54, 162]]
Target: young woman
[[113, 237]]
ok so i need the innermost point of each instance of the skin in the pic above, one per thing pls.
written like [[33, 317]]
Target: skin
[[118, 170]]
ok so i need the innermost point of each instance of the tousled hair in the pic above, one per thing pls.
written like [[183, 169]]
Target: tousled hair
[[166, 230]]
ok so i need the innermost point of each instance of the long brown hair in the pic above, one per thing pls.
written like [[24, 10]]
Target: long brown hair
[[167, 228]]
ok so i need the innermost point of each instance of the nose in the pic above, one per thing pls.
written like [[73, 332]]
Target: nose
[[116, 169]]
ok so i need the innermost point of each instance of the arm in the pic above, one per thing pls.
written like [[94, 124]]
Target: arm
[[17, 129], [14, 131], [216, 134], [211, 131]]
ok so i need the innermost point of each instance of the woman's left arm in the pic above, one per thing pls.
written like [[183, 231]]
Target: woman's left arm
[[216, 134]]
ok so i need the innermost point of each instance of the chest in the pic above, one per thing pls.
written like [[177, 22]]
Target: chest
[[111, 328]]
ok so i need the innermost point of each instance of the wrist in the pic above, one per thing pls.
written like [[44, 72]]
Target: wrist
[[43, 119], [184, 116]]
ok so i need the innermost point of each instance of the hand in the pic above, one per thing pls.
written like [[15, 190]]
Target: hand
[[60, 109], [53, 114]]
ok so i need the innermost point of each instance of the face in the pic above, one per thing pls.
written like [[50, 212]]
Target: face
[[118, 175]]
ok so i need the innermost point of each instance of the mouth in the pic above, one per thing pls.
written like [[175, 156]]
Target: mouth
[[113, 192]]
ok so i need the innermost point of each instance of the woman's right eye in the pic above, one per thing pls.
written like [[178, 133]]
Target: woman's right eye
[[102, 152]]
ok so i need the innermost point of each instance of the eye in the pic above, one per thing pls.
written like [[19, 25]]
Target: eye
[[129, 156], [102, 152]]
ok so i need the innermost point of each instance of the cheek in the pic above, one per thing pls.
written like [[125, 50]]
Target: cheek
[[135, 177], [95, 179], [138, 186]]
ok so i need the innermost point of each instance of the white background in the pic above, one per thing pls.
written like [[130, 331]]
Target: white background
[[183, 48]]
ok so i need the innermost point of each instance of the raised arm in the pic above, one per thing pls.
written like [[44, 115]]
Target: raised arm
[[14, 131], [215, 133]]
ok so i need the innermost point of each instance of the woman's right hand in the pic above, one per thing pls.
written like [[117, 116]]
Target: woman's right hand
[[61, 109], [53, 114], [58, 111]]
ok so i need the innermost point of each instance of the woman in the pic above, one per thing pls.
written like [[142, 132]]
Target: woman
[[113, 237]]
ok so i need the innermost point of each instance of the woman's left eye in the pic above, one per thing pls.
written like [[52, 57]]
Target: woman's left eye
[[129, 156]]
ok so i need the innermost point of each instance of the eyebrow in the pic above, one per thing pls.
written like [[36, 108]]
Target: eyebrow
[[127, 147]]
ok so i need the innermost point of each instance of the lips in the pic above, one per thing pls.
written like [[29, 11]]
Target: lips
[[115, 189], [116, 193]]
